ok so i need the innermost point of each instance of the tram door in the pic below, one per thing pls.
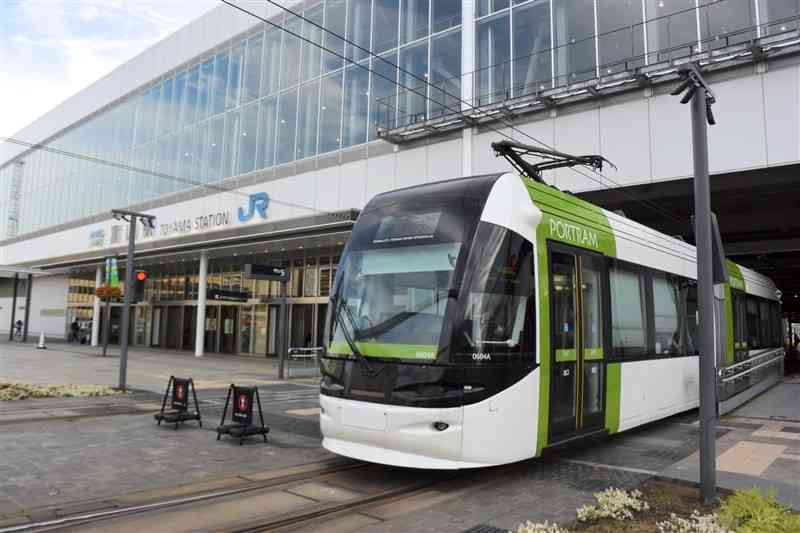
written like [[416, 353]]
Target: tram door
[[576, 322]]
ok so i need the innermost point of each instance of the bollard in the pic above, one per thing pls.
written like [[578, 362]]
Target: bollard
[[41, 345]]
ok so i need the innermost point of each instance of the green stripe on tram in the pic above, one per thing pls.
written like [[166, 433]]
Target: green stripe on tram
[[386, 350], [589, 354], [735, 281], [613, 393], [571, 221]]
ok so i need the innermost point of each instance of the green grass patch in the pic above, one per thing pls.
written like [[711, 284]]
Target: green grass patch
[[750, 511], [23, 391]]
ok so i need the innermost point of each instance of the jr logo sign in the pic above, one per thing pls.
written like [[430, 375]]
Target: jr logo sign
[[258, 204]]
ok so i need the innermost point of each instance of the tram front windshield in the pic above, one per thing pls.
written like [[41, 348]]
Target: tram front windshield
[[391, 300]]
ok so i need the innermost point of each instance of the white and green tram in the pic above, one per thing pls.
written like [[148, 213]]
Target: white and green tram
[[483, 320]]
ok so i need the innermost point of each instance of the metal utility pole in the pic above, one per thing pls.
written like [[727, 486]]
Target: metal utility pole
[[149, 220], [106, 325], [697, 91]]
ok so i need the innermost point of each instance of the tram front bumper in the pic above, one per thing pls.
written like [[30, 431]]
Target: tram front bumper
[[392, 434]]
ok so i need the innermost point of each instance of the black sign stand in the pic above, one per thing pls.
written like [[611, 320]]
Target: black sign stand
[[241, 425], [179, 405]]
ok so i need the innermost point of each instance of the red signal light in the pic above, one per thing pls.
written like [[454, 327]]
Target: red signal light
[[141, 275]]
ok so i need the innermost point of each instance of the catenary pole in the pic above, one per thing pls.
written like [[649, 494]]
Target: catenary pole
[[705, 290], [694, 89], [126, 305], [132, 217]]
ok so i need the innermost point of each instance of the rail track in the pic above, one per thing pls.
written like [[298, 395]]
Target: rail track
[[382, 485]]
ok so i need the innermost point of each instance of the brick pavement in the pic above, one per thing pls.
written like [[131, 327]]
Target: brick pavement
[[51, 462], [147, 369], [760, 446]]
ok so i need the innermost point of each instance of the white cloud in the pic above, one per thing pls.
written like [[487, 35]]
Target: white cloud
[[51, 49]]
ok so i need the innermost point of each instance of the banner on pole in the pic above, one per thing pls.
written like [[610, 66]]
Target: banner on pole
[[114, 281]]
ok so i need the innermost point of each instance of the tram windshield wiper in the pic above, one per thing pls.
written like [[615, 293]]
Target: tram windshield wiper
[[338, 305]]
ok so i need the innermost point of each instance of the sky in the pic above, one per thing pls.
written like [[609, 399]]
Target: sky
[[51, 49]]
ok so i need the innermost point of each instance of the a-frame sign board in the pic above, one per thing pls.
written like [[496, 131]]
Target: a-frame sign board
[[179, 403], [241, 424]]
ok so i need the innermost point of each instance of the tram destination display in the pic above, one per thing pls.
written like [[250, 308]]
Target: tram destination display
[[266, 272]]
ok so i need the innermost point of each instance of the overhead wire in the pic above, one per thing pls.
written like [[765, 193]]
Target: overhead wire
[[458, 98]]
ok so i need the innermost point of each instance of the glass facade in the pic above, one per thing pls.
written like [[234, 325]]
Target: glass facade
[[268, 98], [523, 47], [167, 317]]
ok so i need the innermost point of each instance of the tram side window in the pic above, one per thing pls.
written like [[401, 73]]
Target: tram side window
[[777, 325], [739, 320], [753, 324], [497, 307], [628, 311], [764, 323], [692, 320], [667, 325]]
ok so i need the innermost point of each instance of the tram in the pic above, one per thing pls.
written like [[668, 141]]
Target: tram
[[484, 320]]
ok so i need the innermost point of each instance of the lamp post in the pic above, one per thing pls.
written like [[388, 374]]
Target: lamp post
[[149, 221], [695, 89]]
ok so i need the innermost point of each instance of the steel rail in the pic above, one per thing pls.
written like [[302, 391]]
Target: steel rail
[[387, 496], [86, 518]]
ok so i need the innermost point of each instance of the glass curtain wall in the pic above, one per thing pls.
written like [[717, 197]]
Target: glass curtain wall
[[523, 47], [269, 98]]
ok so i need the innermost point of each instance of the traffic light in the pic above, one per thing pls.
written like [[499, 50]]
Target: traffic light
[[139, 281]]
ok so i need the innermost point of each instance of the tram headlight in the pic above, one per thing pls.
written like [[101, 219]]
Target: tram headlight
[[440, 426]]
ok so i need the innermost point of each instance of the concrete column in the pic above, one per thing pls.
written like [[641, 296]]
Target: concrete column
[[13, 307], [98, 280], [200, 333], [28, 287]]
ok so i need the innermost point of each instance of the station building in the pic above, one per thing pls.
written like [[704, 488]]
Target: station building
[[250, 144]]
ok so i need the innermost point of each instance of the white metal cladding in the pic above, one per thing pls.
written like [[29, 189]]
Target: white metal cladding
[[509, 205], [648, 137], [656, 388], [758, 284]]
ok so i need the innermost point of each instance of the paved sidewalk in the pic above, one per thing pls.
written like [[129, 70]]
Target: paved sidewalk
[[761, 447], [58, 453], [148, 370], [74, 452]]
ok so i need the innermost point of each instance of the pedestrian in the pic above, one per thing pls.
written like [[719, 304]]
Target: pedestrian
[[18, 328], [74, 329]]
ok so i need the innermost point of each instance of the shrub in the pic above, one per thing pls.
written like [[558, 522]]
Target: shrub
[[615, 504], [750, 511], [22, 391], [538, 527], [697, 523]]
